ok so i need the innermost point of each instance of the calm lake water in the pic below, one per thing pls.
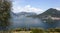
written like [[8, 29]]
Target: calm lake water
[[32, 22]]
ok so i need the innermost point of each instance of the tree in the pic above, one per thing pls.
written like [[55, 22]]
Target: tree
[[5, 9], [49, 20]]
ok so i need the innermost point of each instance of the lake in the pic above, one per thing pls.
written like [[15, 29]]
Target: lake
[[23, 21]]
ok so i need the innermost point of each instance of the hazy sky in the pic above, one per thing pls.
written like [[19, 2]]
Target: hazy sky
[[37, 6]]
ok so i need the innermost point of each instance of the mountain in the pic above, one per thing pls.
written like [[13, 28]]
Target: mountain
[[50, 12], [50, 16], [26, 13]]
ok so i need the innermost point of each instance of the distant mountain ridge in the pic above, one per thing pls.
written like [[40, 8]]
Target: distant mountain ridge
[[50, 12], [27, 13]]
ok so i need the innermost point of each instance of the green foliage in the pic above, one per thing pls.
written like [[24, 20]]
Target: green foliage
[[49, 20], [5, 9], [37, 31]]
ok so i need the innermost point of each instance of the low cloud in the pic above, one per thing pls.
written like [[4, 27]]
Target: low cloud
[[57, 8], [27, 8]]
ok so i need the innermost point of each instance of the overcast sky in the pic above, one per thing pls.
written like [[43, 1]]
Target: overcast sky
[[37, 6]]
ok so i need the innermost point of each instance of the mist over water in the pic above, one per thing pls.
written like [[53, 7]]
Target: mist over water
[[22, 21]]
